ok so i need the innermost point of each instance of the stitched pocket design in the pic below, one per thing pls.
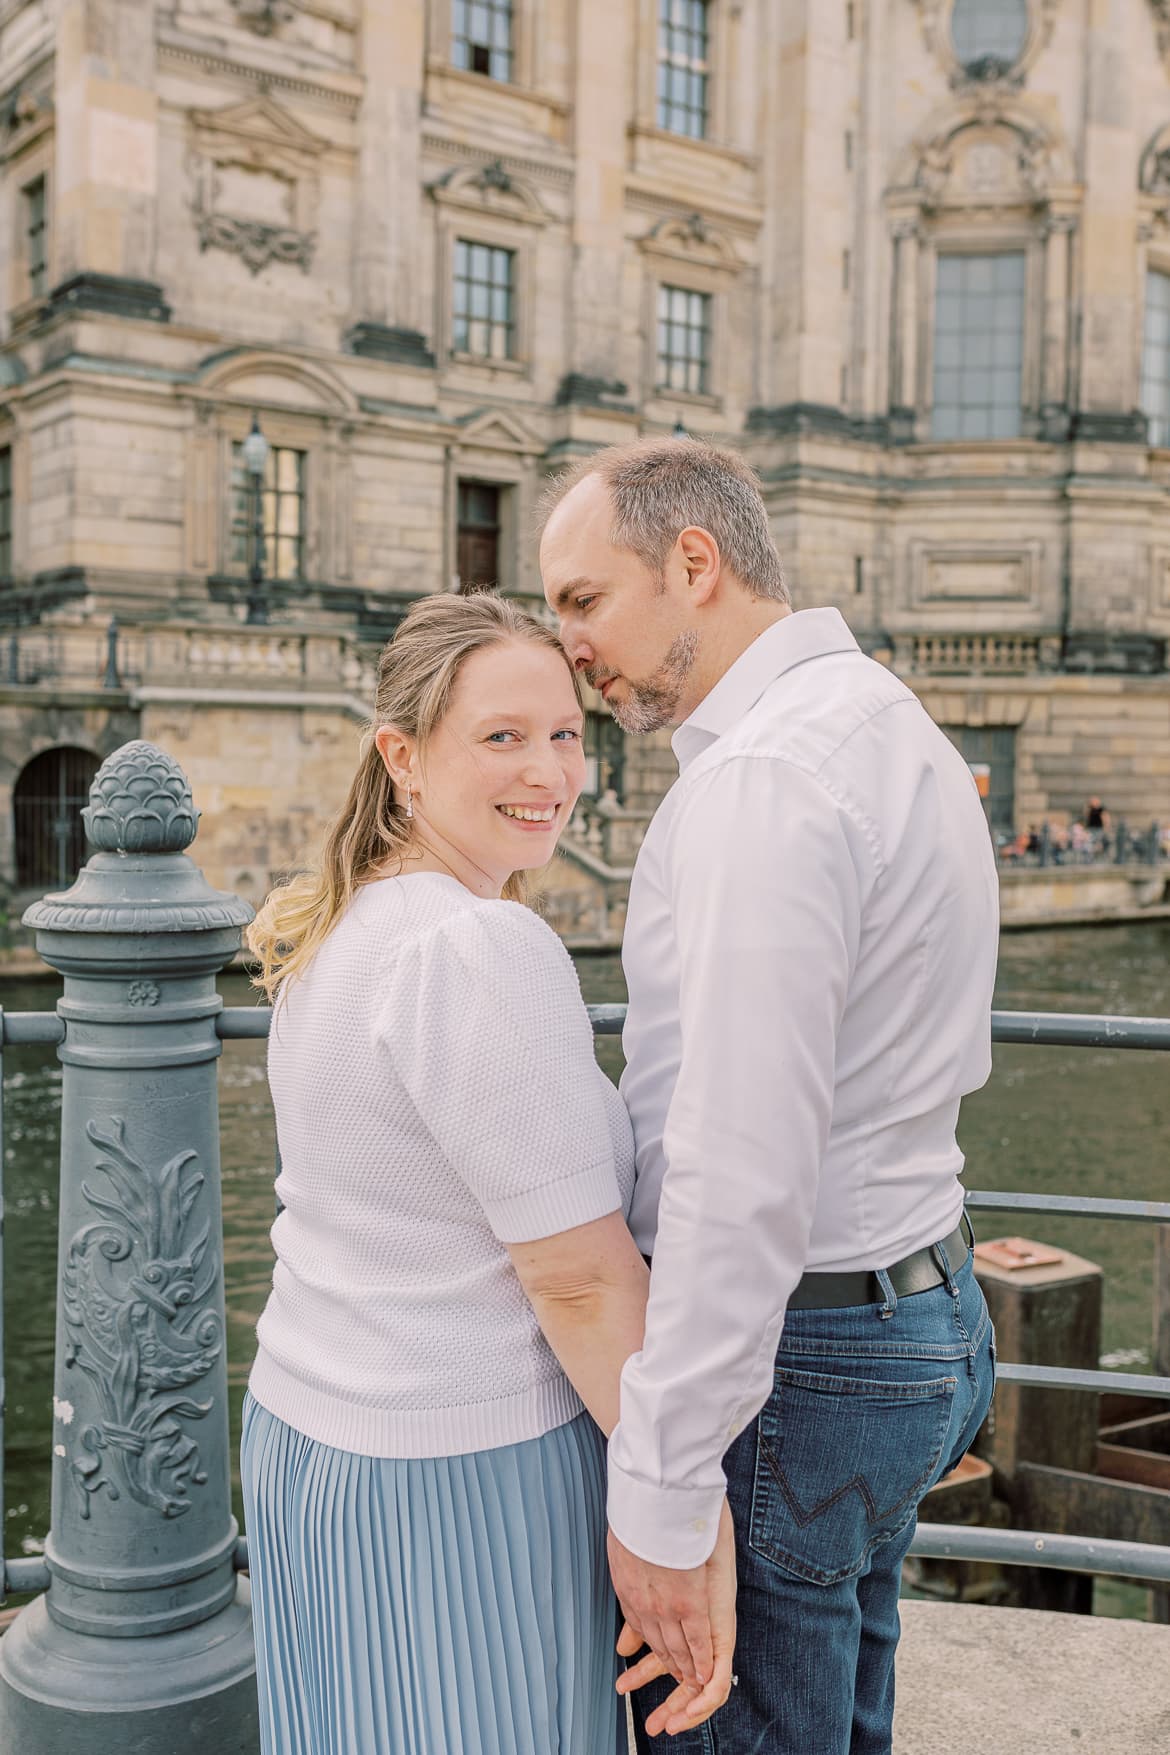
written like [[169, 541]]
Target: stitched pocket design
[[841, 1463]]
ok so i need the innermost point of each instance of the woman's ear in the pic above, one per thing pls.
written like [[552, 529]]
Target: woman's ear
[[397, 753]]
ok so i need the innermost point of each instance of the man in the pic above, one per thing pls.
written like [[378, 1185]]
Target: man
[[810, 952]]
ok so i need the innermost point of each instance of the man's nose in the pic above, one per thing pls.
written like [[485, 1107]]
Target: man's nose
[[578, 648]]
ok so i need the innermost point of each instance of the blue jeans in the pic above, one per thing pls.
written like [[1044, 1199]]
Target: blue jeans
[[870, 1406]]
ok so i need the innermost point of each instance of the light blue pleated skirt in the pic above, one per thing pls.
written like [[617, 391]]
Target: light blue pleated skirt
[[431, 1606]]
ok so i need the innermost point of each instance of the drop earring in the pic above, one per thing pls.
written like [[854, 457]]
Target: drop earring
[[409, 802]]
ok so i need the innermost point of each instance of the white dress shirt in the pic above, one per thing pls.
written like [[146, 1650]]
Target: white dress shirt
[[810, 953]]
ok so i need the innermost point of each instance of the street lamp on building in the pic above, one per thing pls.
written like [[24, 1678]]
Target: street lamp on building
[[255, 449]]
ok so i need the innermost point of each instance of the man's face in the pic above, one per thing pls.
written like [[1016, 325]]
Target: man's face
[[624, 626]]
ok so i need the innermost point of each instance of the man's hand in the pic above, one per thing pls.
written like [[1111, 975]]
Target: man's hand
[[687, 1618]]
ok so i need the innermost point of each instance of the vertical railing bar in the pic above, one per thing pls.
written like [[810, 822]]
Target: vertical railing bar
[[3, 1383], [1161, 1356]]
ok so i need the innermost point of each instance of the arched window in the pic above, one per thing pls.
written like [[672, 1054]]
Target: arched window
[[47, 801], [989, 30]]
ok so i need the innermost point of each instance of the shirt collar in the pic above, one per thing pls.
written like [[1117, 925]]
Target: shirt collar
[[809, 633]]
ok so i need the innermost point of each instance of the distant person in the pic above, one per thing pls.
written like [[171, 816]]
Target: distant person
[[810, 952], [1095, 817], [608, 804]]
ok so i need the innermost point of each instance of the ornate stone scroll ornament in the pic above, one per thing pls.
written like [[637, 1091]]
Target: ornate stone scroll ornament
[[256, 242], [256, 184], [140, 802], [1154, 173], [137, 1291]]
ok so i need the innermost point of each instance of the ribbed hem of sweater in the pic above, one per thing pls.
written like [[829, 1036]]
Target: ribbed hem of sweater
[[411, 1432]]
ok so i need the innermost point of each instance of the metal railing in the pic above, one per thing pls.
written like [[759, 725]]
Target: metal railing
[[1052, 845], [1142, 1561]]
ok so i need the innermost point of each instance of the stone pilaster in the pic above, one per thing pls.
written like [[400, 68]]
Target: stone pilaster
[[106, 171]]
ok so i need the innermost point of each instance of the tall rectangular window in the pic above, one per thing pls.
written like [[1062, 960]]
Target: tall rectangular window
[[6, 512], [36, 242], [1156, 358], [978, 346], [481, 37], [684, 339], [484, 322], [477, 542], [683, 67], [283, 513]]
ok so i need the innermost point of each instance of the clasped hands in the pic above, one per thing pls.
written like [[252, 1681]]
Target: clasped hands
[[688, 1621]]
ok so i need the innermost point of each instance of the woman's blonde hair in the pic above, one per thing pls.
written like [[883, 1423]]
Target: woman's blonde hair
[[417, 674]]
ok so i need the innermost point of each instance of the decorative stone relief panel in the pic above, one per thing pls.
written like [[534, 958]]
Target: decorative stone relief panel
[[976, 573], [255, 184], [983, 155]]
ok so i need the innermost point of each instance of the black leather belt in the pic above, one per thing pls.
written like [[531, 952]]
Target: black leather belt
[[919, 1272]]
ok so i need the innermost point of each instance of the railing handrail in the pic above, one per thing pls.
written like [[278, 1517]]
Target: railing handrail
[[1037, 1029]]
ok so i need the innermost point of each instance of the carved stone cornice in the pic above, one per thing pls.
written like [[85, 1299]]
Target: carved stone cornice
[[264, 16], [528, 169], [345, 94]]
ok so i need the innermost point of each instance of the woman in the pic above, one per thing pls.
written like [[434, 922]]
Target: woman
[[454, 1279]]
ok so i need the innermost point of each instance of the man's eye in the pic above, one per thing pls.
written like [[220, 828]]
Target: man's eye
[[584, 602]]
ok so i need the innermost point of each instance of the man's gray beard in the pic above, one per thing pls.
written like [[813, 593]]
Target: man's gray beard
[[651, 704]]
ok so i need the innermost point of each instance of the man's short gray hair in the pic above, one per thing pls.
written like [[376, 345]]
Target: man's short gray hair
[[661, 487]]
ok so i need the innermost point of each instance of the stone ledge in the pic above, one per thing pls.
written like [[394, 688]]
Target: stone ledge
[[992, 1681]]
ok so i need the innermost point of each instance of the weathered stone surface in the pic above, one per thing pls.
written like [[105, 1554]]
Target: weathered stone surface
[[995, 1681]]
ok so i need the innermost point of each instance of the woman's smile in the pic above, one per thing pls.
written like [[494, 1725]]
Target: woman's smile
[[530, 816]]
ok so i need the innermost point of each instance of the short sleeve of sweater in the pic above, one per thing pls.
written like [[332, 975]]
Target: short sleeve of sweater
[[484, 1021]]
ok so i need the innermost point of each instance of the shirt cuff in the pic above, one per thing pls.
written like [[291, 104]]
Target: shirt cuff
[[668, 1526], [576, 1199]]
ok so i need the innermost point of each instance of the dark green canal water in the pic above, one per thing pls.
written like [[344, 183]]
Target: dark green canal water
[[1057, 1120]]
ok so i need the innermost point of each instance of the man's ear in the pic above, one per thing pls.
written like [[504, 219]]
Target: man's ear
[[700, 555]]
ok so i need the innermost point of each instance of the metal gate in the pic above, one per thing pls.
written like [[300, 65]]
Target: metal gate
[[47, 829]]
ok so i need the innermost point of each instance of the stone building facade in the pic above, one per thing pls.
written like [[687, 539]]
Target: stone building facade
[[912, 256]]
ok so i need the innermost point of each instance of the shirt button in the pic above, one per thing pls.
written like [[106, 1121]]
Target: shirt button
[[699, 1524]]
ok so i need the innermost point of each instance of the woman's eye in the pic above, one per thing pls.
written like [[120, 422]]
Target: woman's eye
[[574, 735], [498, 736]]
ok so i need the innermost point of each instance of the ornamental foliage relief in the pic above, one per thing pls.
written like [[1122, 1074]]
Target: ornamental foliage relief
[[139, 1280]]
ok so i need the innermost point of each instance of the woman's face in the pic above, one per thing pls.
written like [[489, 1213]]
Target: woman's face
[[504, 767]]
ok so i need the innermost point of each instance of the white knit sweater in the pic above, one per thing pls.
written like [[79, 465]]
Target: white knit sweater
[[436, 1095]]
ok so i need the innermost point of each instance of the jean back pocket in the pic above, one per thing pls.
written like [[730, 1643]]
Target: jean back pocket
[[841, 1463]]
